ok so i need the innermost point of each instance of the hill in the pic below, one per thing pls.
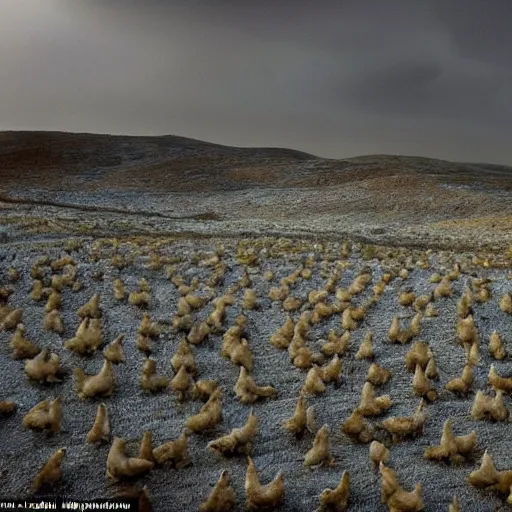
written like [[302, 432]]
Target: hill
[[202, 187]]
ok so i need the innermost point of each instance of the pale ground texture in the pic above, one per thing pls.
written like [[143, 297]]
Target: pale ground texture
[[83, 184], [55, 187], [132, 411]]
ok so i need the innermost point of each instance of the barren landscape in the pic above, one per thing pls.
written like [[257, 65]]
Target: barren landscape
[[84, 184], [304, 274]]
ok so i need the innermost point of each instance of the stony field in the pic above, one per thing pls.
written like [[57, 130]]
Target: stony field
[[213, 269]]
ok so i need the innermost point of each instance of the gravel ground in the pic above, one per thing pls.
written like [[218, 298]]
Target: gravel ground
[[132, 411]]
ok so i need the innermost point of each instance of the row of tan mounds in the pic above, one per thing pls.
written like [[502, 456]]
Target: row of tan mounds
[[341, 329]]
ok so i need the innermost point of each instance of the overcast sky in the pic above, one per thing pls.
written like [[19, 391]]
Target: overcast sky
[[335, 78]]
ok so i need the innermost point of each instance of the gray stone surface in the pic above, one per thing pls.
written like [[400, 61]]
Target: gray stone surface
[[132, 411]]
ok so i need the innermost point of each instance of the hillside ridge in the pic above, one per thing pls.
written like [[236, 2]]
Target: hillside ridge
[[206, 188]]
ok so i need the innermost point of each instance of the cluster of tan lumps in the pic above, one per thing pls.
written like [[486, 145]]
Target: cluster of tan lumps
[[321, 367]]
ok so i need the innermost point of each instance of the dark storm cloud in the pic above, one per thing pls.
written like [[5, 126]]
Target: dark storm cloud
[[336, 78], [430, 89], [479, 30]]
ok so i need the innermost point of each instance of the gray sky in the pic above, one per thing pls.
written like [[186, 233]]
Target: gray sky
[[335, 78]]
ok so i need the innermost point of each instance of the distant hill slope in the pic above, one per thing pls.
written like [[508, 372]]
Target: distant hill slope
[[186, 178], [124, 161], [179, 164]]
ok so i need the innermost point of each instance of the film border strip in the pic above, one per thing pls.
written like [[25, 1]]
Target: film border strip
[[63, 504]]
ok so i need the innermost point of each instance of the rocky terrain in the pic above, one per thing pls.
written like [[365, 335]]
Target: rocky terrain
[[200, 220], [98, 184], [133, 411]]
